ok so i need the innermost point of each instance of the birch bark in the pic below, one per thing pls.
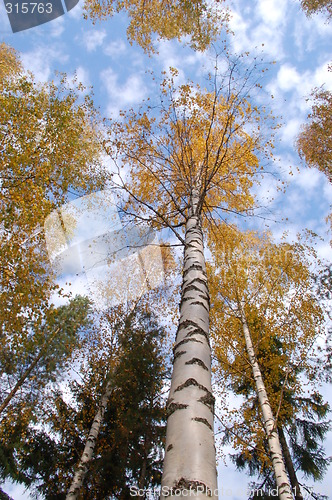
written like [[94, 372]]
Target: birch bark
[[289, 465], [282, 481], [82, 468], [190, 463]]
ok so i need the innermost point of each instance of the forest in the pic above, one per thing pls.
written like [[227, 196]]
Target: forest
[[148, 326]]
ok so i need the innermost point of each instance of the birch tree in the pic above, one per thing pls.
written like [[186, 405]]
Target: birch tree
[[311, 7], [262, 295], [40, 163], [314, 143], [155, 20], [180, 169]]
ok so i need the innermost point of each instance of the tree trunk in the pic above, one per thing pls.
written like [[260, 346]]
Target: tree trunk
[[289, 465], [282, 481], [90, 445], [190, 461], [143, 470], [27, 373], [4, 496]]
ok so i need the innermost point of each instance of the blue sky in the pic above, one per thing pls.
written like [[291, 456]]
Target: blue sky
[[278, 29]]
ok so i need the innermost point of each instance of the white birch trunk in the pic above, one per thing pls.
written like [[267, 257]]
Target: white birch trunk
[[190, 459], [282, 481], [82, 468]]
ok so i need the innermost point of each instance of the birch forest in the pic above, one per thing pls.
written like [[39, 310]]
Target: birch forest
[[150, 329]]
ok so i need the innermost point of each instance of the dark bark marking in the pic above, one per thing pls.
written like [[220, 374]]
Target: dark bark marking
[[197, 361], [169, 447], [186, 323], [189, 288], [208, 400], [195, 280], [194, 267], [185, 341], [172, 407], [205, 297], [178, 354], [193, 382], [184, 299], [203, 421], [198, 331], [199, 303], [189, 484]]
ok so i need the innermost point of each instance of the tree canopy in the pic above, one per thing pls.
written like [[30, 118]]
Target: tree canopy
[[199, 20], [311, 7], [315, 140]]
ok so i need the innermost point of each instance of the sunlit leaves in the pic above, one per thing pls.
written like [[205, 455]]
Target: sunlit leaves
[[48, 145], [314, 6], [315, 140], [201, 139], [199, 20]]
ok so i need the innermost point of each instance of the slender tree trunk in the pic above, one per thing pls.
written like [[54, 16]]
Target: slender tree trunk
[[143, 470], [27, 373], [4, 496], [190, 461], [282, 481], [289, 465], [90, 445]]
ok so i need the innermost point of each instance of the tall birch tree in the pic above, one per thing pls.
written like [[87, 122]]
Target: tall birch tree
[[180, 169], [263, 298]]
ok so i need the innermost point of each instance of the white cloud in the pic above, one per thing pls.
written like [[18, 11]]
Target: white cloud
[[288, 78], [16, 491], [115, 49], [93, 39], [272, 12], [257, 27], [57, 27], [40, 61], [308, 179], [169, 55], [83, 76], [323, 76], [133, 90], [290, 130]]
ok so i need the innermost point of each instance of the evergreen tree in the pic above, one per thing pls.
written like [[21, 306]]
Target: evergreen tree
[[128, 448], [25, 391]]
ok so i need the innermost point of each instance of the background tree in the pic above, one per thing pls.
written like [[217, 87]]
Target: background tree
[[40, 164], [311, 7], [199, 20], [128, 449], [314, 143], [24, 408], [284, 319]]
